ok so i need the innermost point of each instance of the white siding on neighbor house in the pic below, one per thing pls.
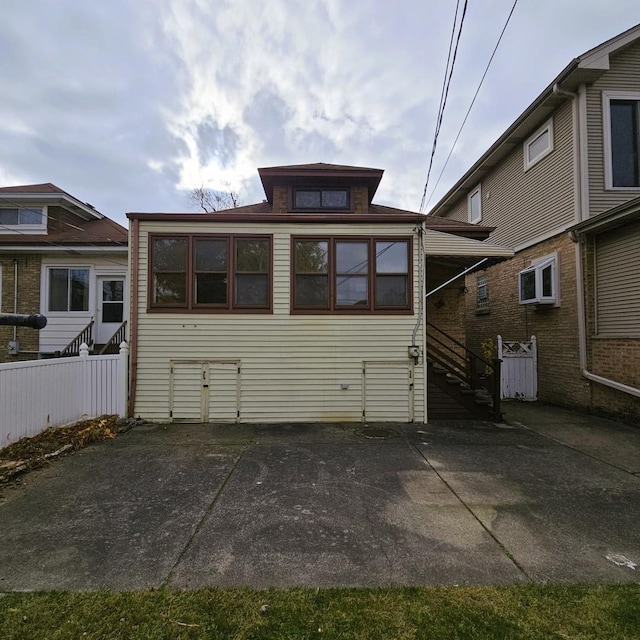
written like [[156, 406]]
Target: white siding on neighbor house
[[294, 368], [623, 76], [618, 282], [524, 205], [63, 327]]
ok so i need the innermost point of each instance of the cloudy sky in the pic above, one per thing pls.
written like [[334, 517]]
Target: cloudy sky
[[128, 105]]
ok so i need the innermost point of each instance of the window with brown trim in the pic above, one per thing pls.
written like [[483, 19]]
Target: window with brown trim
[[351, 275], [211, 272], [321, 199]]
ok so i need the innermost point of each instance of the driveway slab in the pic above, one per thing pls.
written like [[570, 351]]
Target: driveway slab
[[364, 514], [329, 505]]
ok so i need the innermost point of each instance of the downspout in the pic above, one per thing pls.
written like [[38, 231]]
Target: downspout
[[422, 274], [582, 213], [134, 239], [15, 296]]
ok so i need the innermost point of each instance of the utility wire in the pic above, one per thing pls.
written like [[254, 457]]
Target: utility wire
[[470, 106], [451, 58]]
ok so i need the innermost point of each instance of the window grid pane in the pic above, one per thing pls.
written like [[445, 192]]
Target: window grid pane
[[211, 275], [252, 272]]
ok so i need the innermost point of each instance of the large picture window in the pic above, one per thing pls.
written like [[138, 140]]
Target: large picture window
[[68, 289], [351, 275], [202, 272]]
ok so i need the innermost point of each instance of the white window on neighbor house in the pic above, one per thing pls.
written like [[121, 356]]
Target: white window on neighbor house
[[68, 289], [538, 283], [482, 293], [621, 127], [23, 220], [474, 205], [539, 145]]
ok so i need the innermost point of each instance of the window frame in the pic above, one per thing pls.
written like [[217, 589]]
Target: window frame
[[546, 127], [69, 268], [321, 209], [537, 267], [30, 229], [482, 302], [332, 308], [607, 98], [191, 306], [476, 191]]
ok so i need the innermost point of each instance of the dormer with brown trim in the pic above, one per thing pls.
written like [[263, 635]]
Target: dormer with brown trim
[[320, 188]]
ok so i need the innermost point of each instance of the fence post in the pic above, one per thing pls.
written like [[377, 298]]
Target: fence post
[[85, 385], [123, 379], [500, 357]]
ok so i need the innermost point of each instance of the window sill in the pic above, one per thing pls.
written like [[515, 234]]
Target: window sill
[[482, 312]]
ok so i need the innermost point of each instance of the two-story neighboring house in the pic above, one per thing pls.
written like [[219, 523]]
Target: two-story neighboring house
[[562, 187], [308, 306], [61, 258]]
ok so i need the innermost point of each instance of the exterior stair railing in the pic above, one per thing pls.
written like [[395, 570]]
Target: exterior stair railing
[[113, 344], [73, 348], [462, 366]]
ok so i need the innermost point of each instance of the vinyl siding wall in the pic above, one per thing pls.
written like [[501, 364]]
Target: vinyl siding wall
[[624, 75], [293, 368], [524, 205]]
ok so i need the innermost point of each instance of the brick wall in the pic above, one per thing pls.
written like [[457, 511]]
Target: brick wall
[[613, 358], [28, 302], [445, 309], [556, 328]]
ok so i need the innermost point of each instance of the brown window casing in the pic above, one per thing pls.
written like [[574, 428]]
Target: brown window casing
[[372, 305], [229, 305], [320, 208]]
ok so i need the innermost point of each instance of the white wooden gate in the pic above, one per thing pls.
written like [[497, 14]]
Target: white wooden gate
[[387, 391], [519, 378]]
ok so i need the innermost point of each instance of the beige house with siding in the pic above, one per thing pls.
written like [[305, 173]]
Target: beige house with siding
[[561, 187], [309, 306]]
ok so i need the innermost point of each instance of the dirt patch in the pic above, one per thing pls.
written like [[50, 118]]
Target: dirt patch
[[31, 453]]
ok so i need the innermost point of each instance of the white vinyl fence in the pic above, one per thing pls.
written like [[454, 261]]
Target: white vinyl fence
[[47, 393]]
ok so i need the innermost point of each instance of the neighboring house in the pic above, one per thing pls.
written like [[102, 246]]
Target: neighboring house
[[562, 187], [308, 306], [62, 258]]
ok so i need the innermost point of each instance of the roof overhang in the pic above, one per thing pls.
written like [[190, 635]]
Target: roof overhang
[[616, 217], [66, 201], [437, 243]]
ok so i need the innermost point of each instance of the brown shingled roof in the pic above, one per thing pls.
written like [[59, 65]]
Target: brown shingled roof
[[103, 231], [46, 187]]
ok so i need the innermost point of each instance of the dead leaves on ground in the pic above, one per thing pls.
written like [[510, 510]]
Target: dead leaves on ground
[[31, 453]]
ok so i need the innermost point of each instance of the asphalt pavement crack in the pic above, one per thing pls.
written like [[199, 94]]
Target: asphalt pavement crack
[[205, 515]]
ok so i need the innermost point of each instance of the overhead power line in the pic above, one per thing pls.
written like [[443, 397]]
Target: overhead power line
[[475, 95], [444, 93]]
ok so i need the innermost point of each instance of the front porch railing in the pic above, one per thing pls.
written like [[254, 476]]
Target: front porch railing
[[113, 344], [73, 348]]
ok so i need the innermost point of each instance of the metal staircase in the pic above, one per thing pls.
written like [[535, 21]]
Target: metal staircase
[[461, 384]]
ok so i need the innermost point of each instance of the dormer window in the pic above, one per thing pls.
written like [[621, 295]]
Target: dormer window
[[22, 219], [321, 199]]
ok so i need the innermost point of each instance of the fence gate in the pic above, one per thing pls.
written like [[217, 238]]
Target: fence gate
[[519, 377]]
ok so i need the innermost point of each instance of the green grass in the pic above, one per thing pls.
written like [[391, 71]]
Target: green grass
[[397, 613]]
